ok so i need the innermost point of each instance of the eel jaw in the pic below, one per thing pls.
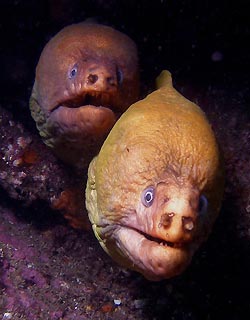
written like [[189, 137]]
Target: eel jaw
[[76, 128], [156, 259], [89, 114], [90, 98]]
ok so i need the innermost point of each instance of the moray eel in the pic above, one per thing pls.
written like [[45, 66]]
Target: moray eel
[[155, 188], [87, 75]]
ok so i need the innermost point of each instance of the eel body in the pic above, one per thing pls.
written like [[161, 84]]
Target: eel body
[[155, 189], [86, 77]]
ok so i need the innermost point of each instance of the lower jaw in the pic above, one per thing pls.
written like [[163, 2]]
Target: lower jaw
[[162, 242], [151, 257], [88, 120]]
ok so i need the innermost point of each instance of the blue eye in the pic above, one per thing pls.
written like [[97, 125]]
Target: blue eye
[[147, 196], [203, 204], [73, 72]]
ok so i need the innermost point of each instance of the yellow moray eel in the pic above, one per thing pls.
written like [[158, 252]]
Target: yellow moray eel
[[155, 189], [87, 75]]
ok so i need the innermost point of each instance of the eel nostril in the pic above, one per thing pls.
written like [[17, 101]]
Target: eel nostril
[[166, 220], [111, 81], [187, 223], [92, 78]]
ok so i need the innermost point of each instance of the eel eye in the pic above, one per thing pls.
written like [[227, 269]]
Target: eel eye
[[73, 72], [119, 76], [147, 196], [203, 204]]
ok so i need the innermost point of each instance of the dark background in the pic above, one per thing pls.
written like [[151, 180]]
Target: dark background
[[183, 36]]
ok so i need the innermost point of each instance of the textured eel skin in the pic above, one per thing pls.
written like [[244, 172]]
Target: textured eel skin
[[155, 189], [87, 75]]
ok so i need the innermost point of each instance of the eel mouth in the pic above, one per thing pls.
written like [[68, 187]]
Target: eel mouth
[[161, 242], [155, 258], [95, 99], [82, 119]]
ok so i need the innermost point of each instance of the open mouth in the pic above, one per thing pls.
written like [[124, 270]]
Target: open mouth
[[159, 241], [91, 98], [162, 242], [155, 258]]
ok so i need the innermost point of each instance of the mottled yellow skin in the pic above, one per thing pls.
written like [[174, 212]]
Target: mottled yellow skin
[[164, 142]]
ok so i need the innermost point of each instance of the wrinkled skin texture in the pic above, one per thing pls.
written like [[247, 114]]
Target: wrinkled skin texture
[[155, 188], [87, 75]]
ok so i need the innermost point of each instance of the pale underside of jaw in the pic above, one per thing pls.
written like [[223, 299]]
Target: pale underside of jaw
[[87, 115], [154, 258], [83, 121]]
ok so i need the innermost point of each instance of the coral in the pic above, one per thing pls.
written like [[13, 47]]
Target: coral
[[72, 203], [30, 173]]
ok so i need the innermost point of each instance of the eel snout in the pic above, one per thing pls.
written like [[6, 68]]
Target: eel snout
[[93, 83], [102, 77], [159, 241], [177, 221]]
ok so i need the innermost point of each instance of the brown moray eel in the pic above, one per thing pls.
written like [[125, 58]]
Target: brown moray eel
[[155, 189], [87, 75]]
